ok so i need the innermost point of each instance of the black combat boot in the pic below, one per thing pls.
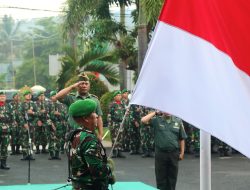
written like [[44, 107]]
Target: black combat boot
[[44, 151], [120, 155], [30, 157], [57, 156], [114, 153], [51, 154], [18, 149], [4, 166], [145, 154], [13, 151], [37, 150]]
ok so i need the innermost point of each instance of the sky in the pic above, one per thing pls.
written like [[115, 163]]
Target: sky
[[54, 5], [18, 14]]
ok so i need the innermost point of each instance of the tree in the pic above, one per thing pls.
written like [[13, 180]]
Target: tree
[[8, 31], [47, 40], [94, 60]]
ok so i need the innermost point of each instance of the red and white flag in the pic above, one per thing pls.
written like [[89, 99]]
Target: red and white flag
[[198, 67]]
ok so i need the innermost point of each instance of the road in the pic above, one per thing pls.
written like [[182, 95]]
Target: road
[[231, 173]]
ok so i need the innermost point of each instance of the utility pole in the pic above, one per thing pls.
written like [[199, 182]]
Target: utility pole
[[34, 62], [12, 65]]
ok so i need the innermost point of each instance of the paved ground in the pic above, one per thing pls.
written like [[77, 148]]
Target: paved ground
[[227, 173]]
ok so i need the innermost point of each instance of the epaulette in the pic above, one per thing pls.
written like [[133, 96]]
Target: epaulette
[[94, 96]]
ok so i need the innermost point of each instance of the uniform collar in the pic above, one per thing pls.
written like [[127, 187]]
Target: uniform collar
[[82, 97]]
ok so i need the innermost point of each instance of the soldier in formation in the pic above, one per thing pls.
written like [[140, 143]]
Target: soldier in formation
[[15, 125], [5, 122], [42, 123], [28, 110], [116, 113]]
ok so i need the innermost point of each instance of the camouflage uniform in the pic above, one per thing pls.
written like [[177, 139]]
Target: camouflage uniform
[[15, 128], [57, 130], [126, 136], [41, 127], [31, 120], [147, 136], [5, 121], [116, 113], [88, 161], [134, 130]]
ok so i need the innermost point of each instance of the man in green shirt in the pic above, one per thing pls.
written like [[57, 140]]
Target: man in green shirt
[[169, 136], [82, 87]]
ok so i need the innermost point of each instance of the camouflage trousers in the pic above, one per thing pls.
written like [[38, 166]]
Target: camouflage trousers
[[114, 129], [4, 143], [147, 138], [40, 136], [15, 135], [126, 135], [24, 138], [134, 133]]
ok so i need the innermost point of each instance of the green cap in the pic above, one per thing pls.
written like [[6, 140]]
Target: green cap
[[14, 94], [83, 77], [82, 108], [124, 90], [26, 92], [116, 93], [2, 93], [52, 93]]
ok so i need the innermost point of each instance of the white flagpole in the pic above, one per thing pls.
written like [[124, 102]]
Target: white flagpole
[[205, 161]]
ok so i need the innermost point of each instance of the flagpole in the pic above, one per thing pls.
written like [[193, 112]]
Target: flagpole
[[205, 160]]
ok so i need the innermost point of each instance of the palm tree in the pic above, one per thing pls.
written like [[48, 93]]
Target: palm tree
[[93, 60]]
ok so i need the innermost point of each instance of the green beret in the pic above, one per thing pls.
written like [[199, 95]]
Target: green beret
[[52, 93], [82, 108], [116, 93], [26, 92], [124, 90], [83, 77], [2, 93], [14, 94], [40, 93]]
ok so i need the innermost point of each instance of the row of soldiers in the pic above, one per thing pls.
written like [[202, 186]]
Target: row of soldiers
[[138, 138], [27, 123], [133, 136]]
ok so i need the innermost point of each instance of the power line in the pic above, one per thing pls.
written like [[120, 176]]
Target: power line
[[29, 9]]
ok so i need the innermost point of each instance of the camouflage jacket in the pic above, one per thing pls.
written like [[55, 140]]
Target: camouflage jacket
[[88, 159], [116, 111], [6, 118], [42, 105], [23, 109], [15, 106]]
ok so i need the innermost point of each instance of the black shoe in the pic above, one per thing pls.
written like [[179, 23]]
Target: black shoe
[[51, 158], [4, 165], [120, 155], [57, 158], [12, 153], [37, 152], [44, 151]]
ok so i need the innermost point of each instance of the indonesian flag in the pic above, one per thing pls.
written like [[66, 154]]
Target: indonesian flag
[[198, 67]]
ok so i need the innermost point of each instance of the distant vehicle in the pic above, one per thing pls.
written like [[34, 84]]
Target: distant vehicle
[[9, 94]]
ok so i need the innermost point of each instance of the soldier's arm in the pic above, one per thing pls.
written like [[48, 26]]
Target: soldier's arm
[[146, 119], [62, 93]]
